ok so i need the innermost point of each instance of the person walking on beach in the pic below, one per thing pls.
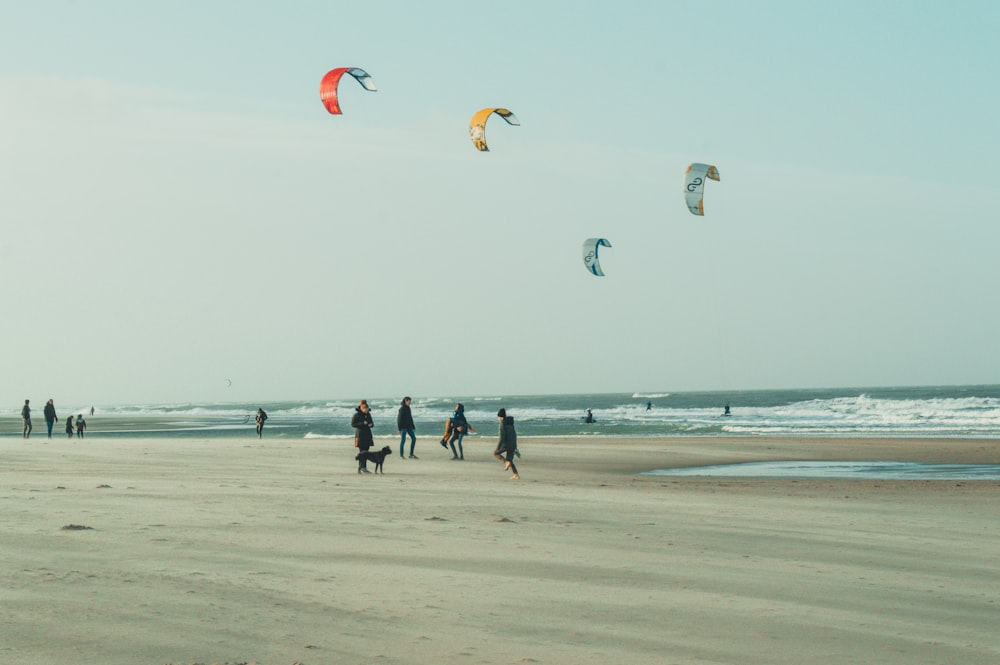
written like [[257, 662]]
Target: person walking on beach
[[362, 424], [81, 425], [50, 416], [404, 423], [507, 445], [69, 426], [26, 418], [459, 428], [261, 417]]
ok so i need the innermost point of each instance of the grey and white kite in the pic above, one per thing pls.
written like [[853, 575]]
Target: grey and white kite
[[590, 259], [694, 185]]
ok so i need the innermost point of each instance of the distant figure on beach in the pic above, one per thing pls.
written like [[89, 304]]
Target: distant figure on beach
[[81, 425], [649, 406], [589, 417], [26, 417], [726, 411], [459, 428], [362, 424], [91, 410], [261, 417], [69, 426], [405, 426], [50, 416], [507, 444]]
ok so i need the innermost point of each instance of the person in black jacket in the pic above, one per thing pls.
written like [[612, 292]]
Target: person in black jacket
[[50, 416], [459, 428], [260, 418], [507, 444], [26, 418], [362, 424], [404, 423]]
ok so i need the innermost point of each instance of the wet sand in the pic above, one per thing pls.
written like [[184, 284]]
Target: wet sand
[[233, 551]]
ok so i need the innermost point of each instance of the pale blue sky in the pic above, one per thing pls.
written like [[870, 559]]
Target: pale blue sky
[[180, 209]]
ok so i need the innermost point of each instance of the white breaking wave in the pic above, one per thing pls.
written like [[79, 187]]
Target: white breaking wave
[[962, 411]]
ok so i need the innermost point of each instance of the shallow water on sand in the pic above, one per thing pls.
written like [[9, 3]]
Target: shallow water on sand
[[844, 470]]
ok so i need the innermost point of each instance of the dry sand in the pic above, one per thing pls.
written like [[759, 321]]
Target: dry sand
[[276, 552]]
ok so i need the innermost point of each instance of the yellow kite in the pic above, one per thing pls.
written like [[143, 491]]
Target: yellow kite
[[477, 128]]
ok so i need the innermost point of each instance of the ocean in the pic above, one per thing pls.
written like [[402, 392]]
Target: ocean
[[933, 411]]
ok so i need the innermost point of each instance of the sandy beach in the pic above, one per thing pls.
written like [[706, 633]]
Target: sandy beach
[[277, 552]]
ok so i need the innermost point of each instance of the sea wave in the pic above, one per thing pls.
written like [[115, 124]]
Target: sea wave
[[962, 411]]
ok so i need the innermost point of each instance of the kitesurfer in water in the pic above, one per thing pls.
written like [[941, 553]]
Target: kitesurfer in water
[[649, 406], [726, 411], [589, 417]]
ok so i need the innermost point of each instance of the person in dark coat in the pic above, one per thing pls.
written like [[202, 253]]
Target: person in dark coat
[[507, 444], [404, 423], [26, 418], [50, 416], [260, 419], [459, 428], [362, 424]]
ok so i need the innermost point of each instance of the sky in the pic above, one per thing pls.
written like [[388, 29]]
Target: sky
[[181, 212]]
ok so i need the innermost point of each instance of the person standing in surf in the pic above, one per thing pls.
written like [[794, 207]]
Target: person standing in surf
[[362, 424], [261, 417], [404, 423]]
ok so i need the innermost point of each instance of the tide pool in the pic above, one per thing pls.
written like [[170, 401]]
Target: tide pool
[[840, 470]]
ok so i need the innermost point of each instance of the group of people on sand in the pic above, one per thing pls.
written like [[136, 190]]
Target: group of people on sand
[[456, 427], [51, 419]]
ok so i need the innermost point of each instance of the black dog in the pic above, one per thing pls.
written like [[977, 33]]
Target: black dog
[[378, 457]]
